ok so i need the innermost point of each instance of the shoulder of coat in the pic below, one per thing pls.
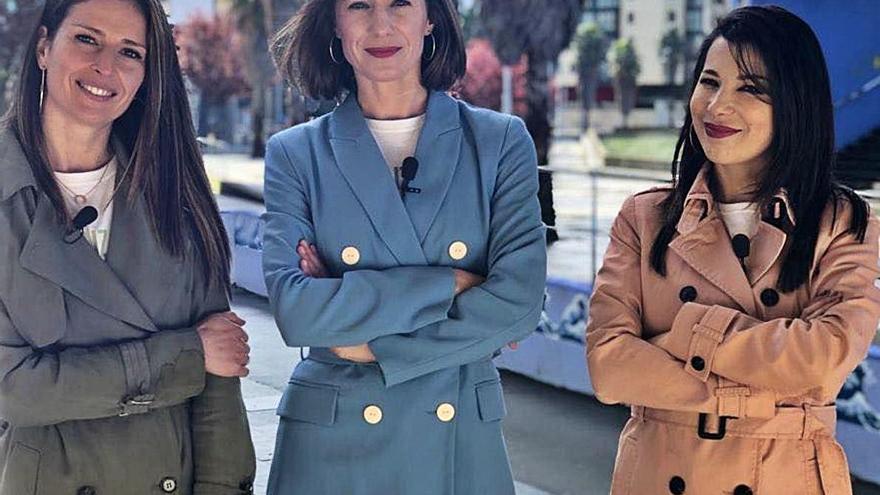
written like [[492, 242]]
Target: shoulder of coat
[[485, 123]]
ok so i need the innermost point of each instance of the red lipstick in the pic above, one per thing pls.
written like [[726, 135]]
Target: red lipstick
[[719, 131], [383, 51]]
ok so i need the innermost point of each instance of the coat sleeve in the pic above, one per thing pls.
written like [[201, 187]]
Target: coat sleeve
[[353, 309], [793, 355], [507, 306], [626, 368], [223, 453], [43, 386]]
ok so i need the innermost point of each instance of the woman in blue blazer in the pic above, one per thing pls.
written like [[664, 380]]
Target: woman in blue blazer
[[403, 289]]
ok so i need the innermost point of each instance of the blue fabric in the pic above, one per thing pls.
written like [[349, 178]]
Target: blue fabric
[[327, 182]]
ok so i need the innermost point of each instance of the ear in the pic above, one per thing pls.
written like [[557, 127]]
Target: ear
[[43, 46], [429, 29]]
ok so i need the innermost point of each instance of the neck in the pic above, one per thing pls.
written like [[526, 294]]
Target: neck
[[73, 147], [735, 184], [391, 101]]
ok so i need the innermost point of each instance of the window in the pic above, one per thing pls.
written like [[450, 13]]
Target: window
[[670, 16], [631, 18], [695, 21]]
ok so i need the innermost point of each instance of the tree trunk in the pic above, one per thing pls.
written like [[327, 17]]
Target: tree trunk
[[507, 89], [538, 124]]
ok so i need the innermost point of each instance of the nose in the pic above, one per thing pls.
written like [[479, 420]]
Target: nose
[[103, 61], [721, 103], [381, 21]]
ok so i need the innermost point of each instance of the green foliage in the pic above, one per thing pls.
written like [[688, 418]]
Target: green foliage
[[625, 64]]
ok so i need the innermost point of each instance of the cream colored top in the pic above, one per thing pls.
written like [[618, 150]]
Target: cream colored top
[[97, 188], [739, 218], [397, 139]]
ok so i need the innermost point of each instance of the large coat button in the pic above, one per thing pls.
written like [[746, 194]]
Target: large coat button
[[445, 412], [458, 250], [698, 363], [676, 485], [86, 490], [169, 485], [742, 490], [351, 256], [373, 414], [769, 297], [688, 294]]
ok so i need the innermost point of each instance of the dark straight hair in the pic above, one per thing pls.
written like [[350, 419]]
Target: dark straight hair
[[301, 49], [156, 130], [801, 154]]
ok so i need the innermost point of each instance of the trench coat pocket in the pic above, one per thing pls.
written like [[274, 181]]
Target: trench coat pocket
[[308, 402], [490, 400], [22, 471], [625, 466], [833, 468]]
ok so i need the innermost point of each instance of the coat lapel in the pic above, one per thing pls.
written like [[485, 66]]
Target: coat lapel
[[767, 246], [438, 151], [361, 163], [78, 269]]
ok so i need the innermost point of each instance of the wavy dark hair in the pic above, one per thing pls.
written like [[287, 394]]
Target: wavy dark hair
[[157, 131], [301, 49], [801, 154]]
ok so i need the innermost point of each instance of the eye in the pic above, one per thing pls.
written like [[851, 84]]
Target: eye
[[752, 90], [132, 54], [358, 6], [84, 38], [401, 3], [708, 81]]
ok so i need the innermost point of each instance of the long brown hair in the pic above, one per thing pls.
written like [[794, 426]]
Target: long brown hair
[[157, 131], [301, 50]]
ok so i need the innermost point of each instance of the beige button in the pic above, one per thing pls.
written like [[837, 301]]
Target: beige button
[[458, 250], [372, 414], [445, 412], [351, 255]]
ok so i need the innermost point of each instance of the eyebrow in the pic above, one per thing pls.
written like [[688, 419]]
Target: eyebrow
[[747, 77], [101, 33]]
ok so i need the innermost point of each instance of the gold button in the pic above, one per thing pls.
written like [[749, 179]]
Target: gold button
[[351, 255], [445, 412], [372, 414], [458, 250]]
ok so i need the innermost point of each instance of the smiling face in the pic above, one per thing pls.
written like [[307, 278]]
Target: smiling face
[[95, 62], [383, 39], [732, 113]]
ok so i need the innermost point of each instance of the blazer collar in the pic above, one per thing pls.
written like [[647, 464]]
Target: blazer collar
[[402, 225]]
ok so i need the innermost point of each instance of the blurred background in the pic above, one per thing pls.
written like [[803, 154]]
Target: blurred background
[[601, 86]]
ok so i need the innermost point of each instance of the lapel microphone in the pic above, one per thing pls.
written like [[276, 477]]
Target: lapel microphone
[[84, 217], [409, 169], [741, 247]]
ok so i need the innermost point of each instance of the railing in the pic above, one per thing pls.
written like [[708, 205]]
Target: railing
[[858, 93]]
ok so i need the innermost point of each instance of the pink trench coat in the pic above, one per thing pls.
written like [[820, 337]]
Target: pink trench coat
[[708, 344]]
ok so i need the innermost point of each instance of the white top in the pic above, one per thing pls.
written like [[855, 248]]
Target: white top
[[97, 187], [397, 139], [740, 218]]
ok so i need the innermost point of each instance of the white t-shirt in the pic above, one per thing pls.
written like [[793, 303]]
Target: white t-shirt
[[740, 218], [397, 139], [97, 186]]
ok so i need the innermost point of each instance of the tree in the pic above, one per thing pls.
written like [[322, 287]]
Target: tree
[[506, 23], [217, 73], [17, 18], [672, 51], [625, 68], [481, 84], [591, 47]]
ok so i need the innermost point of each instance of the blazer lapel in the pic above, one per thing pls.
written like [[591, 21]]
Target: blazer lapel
[[705, 249], [78, 269], [438, 151], [361, 163]]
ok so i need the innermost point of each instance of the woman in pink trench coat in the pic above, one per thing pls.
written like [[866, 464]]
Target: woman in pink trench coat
[[732, 305]]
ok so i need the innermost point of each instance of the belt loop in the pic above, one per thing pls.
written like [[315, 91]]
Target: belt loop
[[807, 433]]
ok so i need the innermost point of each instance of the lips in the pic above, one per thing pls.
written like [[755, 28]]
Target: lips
[[383, 52], [719, 131], [96, 92]]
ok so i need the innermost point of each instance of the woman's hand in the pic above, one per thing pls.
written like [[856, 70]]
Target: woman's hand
[[466, 280], [225, 344], [310, 262]]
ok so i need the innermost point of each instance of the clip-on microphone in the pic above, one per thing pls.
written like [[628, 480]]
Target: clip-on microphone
[[85, 216], [409, 170], [741, 247]]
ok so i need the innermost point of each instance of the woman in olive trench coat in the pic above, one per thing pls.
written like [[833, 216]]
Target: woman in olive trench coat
[[104, 388], [731, 352]]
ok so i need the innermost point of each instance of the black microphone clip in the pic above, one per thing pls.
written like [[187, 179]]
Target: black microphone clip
[[741, 248], [408, 170], [84, 217]]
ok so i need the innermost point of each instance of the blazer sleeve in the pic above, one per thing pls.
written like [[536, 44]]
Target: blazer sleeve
[[793, 355], [44, 386], [508, 305], [353, 309], [223, 453], [626, 368]]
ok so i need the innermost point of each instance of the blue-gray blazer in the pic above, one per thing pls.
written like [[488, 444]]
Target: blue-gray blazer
[[426, 417]]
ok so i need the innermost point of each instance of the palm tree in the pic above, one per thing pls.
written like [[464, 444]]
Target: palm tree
[[672, 47], [626, 69], [506, 24], [591, 46]]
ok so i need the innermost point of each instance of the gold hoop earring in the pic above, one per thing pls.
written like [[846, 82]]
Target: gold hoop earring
[[42, 88], [332, 55], [433, 48]]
